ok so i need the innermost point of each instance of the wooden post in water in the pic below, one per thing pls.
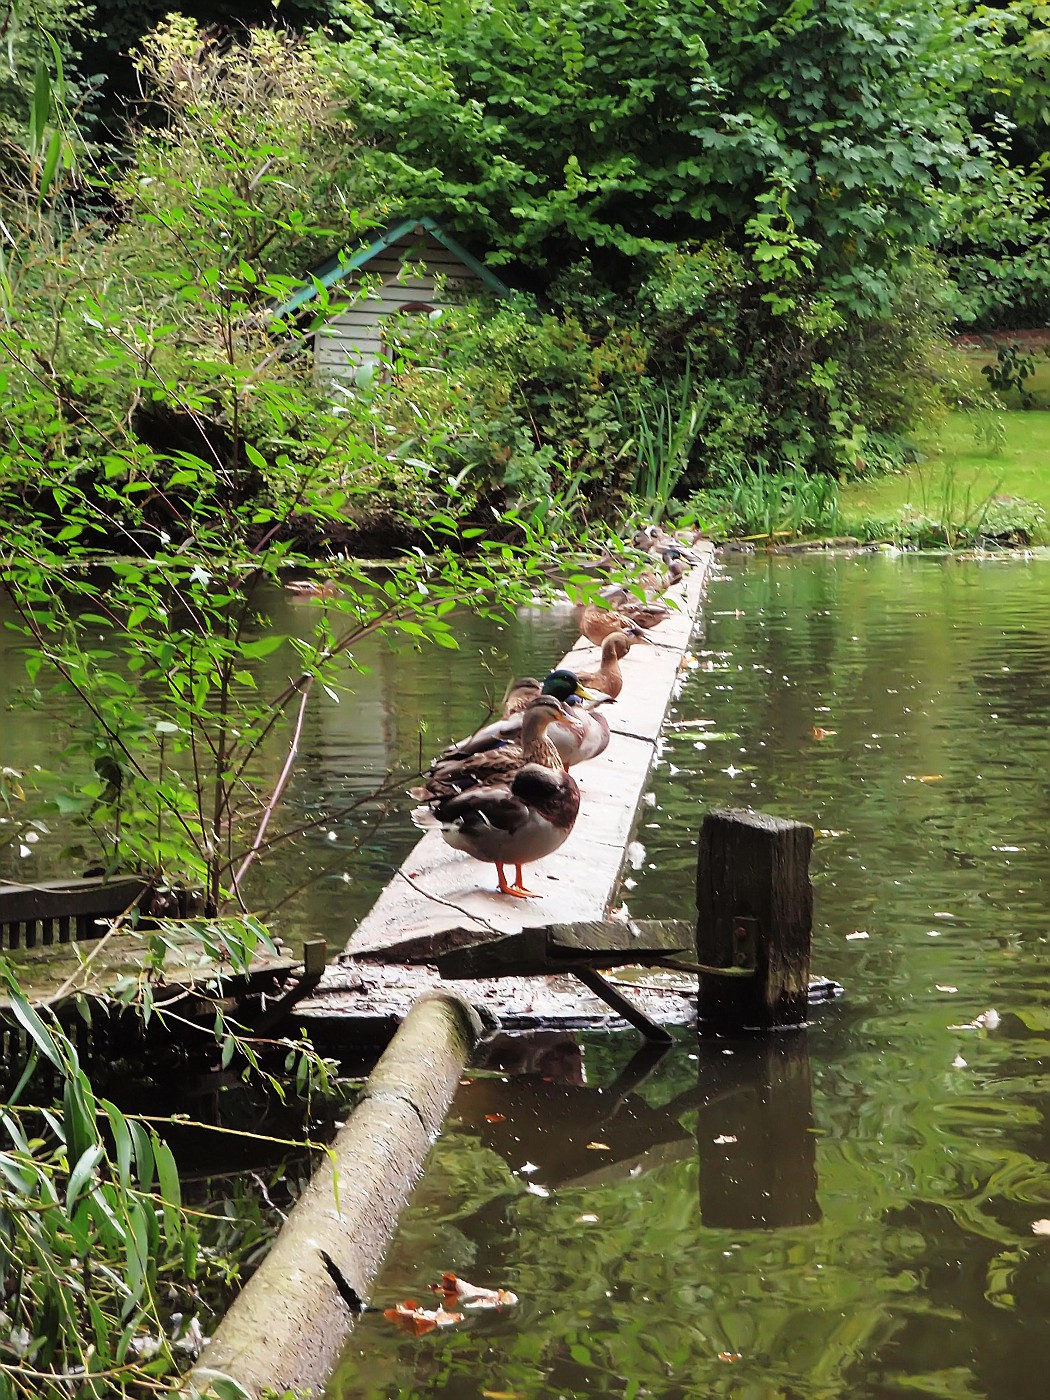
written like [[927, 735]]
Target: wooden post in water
[[754, 905]]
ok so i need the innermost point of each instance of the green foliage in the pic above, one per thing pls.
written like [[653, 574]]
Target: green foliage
[[91, 1226], [994, 242], [559, 127], [167, 427], [1013, 366], [106, 1268], [35, 34], [770, 506]]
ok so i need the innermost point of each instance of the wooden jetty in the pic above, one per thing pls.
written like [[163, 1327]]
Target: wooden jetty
[[441, 901], [439, 891]]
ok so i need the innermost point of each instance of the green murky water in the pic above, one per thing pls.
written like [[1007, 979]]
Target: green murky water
[[850, 1211], [845, 1213], [406, 701]]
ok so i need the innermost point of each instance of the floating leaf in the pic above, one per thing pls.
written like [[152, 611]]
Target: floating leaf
[[471, 1295], [413, 1318]]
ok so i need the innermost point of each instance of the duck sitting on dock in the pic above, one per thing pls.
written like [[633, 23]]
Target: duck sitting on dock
[[627, 614], [522, 818], [519, 693], [586, 734], [608, 679]]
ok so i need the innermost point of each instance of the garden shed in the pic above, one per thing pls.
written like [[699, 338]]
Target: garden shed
[[411, 268]]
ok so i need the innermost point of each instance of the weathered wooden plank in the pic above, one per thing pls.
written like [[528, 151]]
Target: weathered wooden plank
[[65, 899], [601, 943], [65, 970], [438, 890], [636, 938]]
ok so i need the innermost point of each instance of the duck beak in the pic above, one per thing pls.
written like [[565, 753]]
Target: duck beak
[[584, 693]]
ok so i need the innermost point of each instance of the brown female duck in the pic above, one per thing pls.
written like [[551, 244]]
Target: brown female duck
[[476, 764], [510, 824], [608, 679], [629, 614]]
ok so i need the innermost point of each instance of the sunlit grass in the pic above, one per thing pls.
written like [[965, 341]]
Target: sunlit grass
[[964, 461]]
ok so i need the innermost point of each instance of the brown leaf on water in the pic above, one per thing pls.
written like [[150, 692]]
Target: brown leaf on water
[[925, 777], [471, 1295], [503, 1394], [410, 1316], [729, 1356], [819, 733], [495, 1117], [598, 1146]]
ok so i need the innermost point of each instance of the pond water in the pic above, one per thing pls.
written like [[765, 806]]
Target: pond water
[[861, 1209]]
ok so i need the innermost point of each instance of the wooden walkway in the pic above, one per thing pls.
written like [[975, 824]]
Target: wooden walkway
[[440, 891], [441, 899]]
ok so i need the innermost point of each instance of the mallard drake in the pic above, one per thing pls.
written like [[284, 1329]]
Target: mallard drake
[[510, 825], [521, 739], [677, 564], [586, 734], [608, 679]]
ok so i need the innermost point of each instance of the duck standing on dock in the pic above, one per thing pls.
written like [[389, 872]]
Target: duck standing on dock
[[521, 739], [523, 816]]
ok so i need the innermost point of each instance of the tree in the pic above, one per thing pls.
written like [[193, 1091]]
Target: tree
[[555, 130]]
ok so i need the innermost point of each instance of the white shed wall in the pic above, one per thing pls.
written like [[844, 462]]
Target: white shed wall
[[405, 272]]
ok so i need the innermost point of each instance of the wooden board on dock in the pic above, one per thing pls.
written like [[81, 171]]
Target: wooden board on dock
[[446, 897], [53, 973]]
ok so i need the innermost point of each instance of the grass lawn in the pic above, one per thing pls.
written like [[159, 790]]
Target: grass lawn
[[967, 459], [968, 456]]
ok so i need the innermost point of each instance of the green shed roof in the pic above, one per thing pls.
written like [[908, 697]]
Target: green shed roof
[[333, 271]]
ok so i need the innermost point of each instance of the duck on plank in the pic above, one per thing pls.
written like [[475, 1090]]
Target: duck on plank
[[586, 734], [608, 678], [526, 741], [520, 811]]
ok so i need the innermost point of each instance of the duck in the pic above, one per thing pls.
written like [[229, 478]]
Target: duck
[[510, 823], [631, 615], [586, 736], [521, 739], [312, 588], [654, 539], [518, 695], [608, 679], [677, 565]]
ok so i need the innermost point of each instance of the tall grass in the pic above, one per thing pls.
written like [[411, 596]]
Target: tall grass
[[664, 423], [765, 505]]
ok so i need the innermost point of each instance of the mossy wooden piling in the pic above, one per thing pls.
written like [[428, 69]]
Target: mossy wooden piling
[[754, 904]]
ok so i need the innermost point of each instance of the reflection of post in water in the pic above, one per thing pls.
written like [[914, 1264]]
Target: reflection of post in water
[[754, 1135], [754, 922]]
